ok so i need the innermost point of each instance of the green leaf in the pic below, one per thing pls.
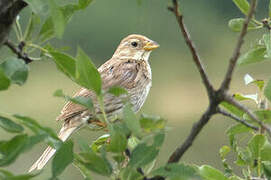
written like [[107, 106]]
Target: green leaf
[[63, 157], [270, 9], [159, 139], [12, 148], [179, 171], [264, 115], [236, 25], [4, 81], [152, 123], [267, 90], [210, 173], [231, 108], [47, 30], [38, 6], [267, 168], [96, 163], [118, 140], [223, 151], [131, 121], [117, 91], [52, 138], [265, 152], [143, 155], [84, 101], [10, 126], [6, 175], [16, 70], [97, 144], [242, 97], [243, 5], [65, 63], [57, 18], [82, 4], [86, 73], [252, 56], [255, 145], [84, 171], [267, 43], [235, 130], [129, 173], [33, 21]]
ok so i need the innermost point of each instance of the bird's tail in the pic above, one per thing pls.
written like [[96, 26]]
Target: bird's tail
[[49, 152]]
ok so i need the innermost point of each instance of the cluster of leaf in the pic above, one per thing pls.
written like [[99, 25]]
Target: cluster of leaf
[[262, 50]]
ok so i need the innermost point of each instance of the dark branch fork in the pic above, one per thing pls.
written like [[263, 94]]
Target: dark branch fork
[[18, 50], [215, 96]]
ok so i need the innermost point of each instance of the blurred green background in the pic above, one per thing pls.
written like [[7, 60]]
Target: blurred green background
[[177, 93]]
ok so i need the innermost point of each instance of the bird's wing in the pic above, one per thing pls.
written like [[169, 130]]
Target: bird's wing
[[121, 73]]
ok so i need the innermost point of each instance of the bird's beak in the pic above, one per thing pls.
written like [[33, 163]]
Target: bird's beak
[[151, 46]]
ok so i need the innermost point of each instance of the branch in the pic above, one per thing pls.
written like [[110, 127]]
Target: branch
[[197, 127], [226, 82], [19, 51], [9, 9], [191, 45], [237, 104], [236, 118]]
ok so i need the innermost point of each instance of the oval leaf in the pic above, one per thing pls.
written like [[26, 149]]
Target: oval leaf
[[10, 126]]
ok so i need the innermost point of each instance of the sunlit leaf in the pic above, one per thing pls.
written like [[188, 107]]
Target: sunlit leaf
[[242, 97], [130, 173], [152, 123], [231, 108], [248, 79], [10, 126], [224, 150], [243, 5], [97, 144]]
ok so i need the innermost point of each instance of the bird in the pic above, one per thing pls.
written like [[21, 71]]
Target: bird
[[128, 68]]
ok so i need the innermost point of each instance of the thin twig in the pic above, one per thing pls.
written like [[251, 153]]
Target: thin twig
[[231, 100], [18, 51], [236, 53], [191, 45], [236, 118]]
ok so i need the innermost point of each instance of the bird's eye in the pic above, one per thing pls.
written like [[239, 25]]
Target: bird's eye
[[134, 44]]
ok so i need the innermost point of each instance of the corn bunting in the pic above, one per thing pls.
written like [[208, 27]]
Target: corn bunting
[[128, 68]]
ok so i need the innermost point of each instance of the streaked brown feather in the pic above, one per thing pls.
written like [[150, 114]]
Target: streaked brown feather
[[124, 73]]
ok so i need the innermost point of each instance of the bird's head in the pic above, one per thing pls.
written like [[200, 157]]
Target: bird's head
[[136, 47]]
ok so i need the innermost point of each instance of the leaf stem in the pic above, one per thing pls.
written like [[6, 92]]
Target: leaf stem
[[101, 102]]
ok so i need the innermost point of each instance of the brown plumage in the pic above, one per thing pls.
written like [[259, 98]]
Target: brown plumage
[[128, 68]]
